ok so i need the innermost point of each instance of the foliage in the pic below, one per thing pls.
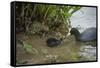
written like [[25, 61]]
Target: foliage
[[28, 48], [52, 16]]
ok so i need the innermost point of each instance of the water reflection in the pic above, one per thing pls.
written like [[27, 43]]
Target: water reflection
[[83, 19]]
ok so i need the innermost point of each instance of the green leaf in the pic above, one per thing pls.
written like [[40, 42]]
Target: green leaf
[[28, 48]]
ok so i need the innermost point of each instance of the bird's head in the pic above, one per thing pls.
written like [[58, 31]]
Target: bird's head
[[74, 31]]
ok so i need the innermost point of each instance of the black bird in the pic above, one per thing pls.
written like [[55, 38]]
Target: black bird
[[87, 35], [53, 42]]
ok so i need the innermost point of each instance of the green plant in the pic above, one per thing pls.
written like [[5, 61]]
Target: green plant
[[47, 15]]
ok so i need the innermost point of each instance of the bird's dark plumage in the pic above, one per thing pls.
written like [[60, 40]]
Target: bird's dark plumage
[[53, 42], [87, 35]]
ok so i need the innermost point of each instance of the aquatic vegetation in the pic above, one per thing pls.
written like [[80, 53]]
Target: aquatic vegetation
[[44, 25], [51, 58], [44, 51], [28, 48], [54, 18]]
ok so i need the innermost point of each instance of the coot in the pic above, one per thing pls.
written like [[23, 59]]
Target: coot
[[53, 42], [87, 35]]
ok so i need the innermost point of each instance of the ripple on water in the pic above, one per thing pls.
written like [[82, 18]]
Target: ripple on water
[[87, 52]]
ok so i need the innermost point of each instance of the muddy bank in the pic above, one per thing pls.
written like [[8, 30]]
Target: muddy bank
[[35, 50]]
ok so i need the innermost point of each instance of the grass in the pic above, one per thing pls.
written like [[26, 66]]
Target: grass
[[51, 16]]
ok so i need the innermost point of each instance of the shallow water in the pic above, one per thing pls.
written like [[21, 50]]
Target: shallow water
[[42, 54], [83, 19], [69, 50]]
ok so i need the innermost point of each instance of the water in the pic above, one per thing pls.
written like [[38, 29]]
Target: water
[[83, 19], [88, 52], [36, 51]]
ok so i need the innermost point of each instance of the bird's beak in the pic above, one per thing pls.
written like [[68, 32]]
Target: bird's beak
[[69, 34]]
